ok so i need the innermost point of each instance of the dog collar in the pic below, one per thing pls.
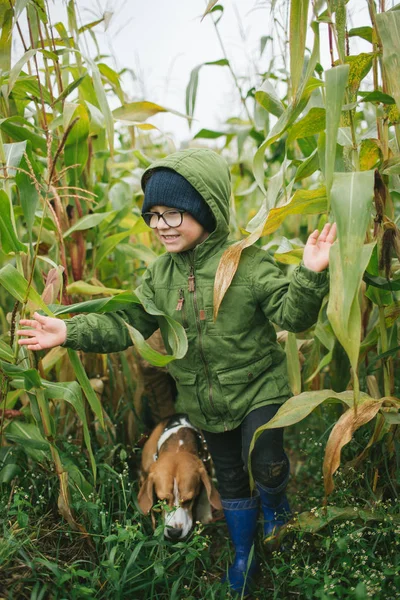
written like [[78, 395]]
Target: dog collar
[[174, 424]]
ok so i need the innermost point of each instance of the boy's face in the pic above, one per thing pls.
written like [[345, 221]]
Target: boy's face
[[178, 239]]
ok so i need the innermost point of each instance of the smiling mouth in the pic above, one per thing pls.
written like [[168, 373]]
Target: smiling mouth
[[170, 237]]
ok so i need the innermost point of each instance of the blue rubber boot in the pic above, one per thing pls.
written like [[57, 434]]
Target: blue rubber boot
[[241, 517], [275, 507]]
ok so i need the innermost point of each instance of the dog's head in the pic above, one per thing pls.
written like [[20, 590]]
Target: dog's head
[[178, 480]]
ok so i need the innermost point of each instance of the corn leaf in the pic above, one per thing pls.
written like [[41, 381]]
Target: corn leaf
[[341, 435], [302, 202], [336, 81], [17, 286], [297, 40], [71, 393], [267, 98], [28, 436], [87, 222], [352, 204], [89, 392], [388, 24], [312, 123], [293, 363], [209, 7], [15, 71], [103, 103], [140, 111], [87, 289], [9, 240], [14, 154]]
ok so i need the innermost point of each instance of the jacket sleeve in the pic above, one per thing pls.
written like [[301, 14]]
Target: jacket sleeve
[[104, 333], [292, 304]]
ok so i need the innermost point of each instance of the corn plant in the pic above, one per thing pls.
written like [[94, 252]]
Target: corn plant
[[341, 154], [68, 214]]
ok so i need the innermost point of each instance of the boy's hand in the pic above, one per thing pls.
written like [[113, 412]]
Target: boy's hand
[[47, 333], [316, 251]]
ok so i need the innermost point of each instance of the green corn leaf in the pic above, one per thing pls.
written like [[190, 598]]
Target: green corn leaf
[[87, 289], [312, 123], [27, 191], [293, 363], [89, 392], [15, 71], [340, 21], [363, 32], [103, 103], [336, 81], [28, 436], [30, 376], [6, 25], [108, 246], [302, 202], [209, 134], [297, 40], [267, 97], [138, 112], [392, 285], [352, 195], [100, 305], [288, 117], [209, 7], [191, 89], [88, 222], [14, 154], [376, 96], [139, 252], [8, 237], [71, 393], [76, 151], [299, 407], [388, 24], [14, 127], [6, 352], [308, 166], [17, 286]]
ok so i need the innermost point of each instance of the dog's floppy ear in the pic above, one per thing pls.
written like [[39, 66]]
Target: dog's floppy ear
[[145, 495], [212, 493]]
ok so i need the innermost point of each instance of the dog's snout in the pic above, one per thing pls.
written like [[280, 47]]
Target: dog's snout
[[174, 533]]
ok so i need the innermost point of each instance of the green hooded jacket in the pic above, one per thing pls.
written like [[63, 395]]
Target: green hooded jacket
[[232, 365]]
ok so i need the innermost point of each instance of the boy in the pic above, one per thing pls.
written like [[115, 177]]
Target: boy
[[233, 377]]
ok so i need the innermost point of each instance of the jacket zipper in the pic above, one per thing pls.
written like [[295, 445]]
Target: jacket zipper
[[181, 307], [192, 289]]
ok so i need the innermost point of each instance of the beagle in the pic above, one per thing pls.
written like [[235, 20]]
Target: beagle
[[173, 470]]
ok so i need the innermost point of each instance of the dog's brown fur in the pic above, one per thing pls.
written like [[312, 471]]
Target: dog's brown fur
[[178, 464]]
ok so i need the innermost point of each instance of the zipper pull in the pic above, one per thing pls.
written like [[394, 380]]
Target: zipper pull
[[181, 300], [191, 281]]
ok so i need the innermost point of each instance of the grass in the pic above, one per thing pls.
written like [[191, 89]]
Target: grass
[[123, 557]]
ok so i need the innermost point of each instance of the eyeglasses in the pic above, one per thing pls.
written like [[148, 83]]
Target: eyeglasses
[[172, 218]]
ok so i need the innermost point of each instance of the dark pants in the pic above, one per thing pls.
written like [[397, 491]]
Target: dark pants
[[230, 451]]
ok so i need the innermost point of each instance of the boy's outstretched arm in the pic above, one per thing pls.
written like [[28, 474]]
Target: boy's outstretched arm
[[294, 303], [100, 333]]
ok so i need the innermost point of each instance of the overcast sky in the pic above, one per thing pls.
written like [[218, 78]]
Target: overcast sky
[[163, 40]]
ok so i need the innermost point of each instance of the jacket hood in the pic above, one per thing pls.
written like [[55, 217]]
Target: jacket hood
[[209, 174]]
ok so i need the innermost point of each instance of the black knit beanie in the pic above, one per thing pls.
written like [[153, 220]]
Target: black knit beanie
[[166, 187]]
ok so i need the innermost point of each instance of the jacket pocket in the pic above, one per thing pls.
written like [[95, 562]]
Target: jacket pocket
[[245, 386], [184, 377], [246, 373], [188, 400]]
